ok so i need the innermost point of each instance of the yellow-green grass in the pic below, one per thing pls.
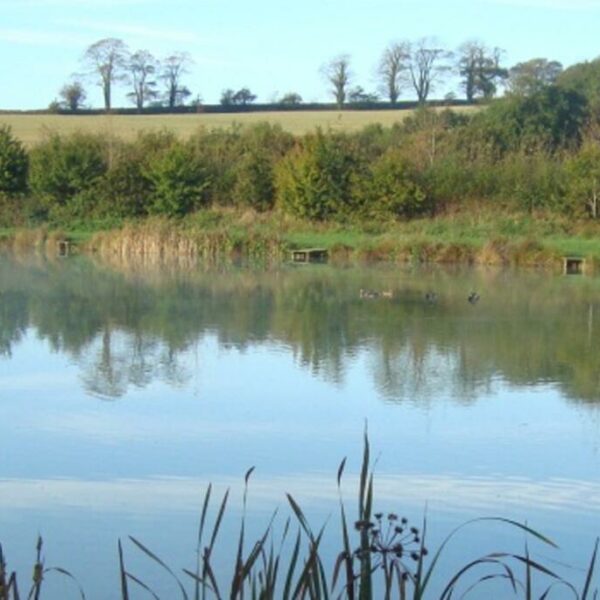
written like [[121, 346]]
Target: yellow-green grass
[[31, 128]]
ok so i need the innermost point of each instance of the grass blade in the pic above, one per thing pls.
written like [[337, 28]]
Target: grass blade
[[590, 572], [203, 514], [123, 573], [69, 575], [156, 559], [292, 567], [143, 585], [419, 594]]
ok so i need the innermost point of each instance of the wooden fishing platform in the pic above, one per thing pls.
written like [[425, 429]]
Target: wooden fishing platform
[[573, 265], [63, 248], [309, 255]]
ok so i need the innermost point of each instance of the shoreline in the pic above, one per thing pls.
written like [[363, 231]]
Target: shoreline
[[218, 236]]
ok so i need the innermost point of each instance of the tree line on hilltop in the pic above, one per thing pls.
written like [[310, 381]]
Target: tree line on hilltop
[[415, 67], [531, 151]]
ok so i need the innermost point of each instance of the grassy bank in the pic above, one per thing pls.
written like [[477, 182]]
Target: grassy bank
[[468, 237]]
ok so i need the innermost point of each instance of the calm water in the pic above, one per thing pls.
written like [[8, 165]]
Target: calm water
[[124, 391]]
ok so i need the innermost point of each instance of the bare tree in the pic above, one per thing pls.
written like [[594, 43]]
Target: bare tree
[[427, 65], [480, 69], [73, 95], [173, 69], [392, 67], [142, 67], [107, 59], [338, 74]]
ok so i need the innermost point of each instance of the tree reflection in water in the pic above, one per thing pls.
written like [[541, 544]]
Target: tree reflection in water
[[129, 324]]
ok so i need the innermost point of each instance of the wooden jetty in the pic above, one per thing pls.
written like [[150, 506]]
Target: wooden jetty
[[573, 265], [309, 255]]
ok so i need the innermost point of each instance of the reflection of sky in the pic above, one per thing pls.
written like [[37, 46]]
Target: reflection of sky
[[463, 496], [74, 464]]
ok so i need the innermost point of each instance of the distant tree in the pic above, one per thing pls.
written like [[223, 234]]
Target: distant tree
[[73, 95], [107, 59], [142, 67], [426, 65], [550, 120], [338, 74], [243, 97], [173, 69], [583, 78], [392, 68], [227, 97], [290, 99], [358, 95], [527, 78], [196, 101], [480, 70]]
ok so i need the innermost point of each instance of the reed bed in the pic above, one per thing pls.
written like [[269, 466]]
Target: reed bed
[[158, 240], [380, 556]]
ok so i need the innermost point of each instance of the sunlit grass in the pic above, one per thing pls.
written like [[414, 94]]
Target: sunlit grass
[[30, 129]]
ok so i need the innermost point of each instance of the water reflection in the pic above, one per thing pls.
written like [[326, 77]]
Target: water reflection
[[452, 494], [126, 327]]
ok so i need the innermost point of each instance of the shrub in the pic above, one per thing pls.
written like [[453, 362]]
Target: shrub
[[583, 181], [261, 148], [315, 180], [178, 180], [13, 163], [254, 181], [390, 189], [62, 167]]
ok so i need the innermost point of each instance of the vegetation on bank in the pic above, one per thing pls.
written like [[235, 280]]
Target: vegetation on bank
[[438, 186], [381, 555], [218, 235]]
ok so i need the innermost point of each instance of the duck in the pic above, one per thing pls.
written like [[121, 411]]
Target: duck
[[368, 294], [473, 298], [431, 297]]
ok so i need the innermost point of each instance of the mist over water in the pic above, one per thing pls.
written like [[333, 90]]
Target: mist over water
[[126, 389]]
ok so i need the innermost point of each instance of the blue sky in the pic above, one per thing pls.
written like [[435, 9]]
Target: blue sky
[[271, 46]]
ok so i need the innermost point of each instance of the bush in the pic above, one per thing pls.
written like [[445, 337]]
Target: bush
[[315, 180], [124, 190], [178, 180], [550, 120], [390, 189], [13, 163], [254, 182], [583, 181], [261, 148], [63, 167]]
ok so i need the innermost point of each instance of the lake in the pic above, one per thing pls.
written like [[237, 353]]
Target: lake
[[126, 389]]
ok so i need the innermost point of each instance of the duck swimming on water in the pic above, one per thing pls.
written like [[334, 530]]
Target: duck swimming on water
[[473, 298]]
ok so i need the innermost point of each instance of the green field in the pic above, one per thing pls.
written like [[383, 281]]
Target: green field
[[30, 128]]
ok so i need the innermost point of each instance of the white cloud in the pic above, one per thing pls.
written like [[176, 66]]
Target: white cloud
[[126, 30], [32, 37]]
